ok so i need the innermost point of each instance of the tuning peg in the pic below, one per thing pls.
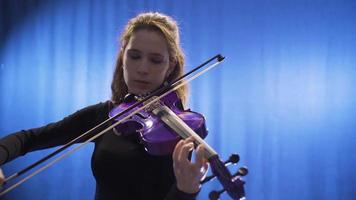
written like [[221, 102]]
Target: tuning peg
[[214, 195], [243, 171], [234, 158]]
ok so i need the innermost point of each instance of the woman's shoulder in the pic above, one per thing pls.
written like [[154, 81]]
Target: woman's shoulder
[[98, 107], [97, 111]]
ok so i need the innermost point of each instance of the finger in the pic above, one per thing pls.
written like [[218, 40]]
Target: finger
[[2, 177], [177, 150], [183, 142], [178, 146], [205, 167], [190, 139], [200, 156], [186, 149], [203, 171]]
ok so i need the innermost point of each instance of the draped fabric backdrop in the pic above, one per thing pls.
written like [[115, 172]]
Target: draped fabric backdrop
[[284, 98]]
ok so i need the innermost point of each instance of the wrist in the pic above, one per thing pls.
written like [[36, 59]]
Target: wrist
[[188, 189]]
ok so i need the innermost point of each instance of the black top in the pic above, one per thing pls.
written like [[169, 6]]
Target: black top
[[121, 166]]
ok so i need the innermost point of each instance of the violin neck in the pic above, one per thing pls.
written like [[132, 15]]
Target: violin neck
[[181, 128]]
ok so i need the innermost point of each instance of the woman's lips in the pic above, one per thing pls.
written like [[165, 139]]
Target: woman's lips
[[142, 84]]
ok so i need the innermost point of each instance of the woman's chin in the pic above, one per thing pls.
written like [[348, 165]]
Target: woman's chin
[[139, 92]]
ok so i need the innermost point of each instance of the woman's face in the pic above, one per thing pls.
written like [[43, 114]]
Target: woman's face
[[146, 62]]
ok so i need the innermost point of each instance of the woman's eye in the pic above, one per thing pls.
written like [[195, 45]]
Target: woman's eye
[[134, 56], [156, 61]]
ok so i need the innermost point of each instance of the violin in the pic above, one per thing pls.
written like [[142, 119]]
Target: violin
[[163, 124], [160, 121], [157, 138]]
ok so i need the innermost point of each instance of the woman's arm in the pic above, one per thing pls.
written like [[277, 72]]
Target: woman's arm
[[53, 134]]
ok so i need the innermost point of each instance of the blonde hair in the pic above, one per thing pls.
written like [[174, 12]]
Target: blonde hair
[[156, 22]]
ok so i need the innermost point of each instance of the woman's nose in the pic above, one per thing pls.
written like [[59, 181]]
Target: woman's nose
[[143, 67]]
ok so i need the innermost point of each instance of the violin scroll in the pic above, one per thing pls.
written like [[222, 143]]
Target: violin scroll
[[232, 184]]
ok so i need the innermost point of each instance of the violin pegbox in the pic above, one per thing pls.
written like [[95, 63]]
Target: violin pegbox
[[232, 183]]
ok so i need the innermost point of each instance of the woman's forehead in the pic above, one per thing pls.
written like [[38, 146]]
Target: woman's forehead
[[148, 41]]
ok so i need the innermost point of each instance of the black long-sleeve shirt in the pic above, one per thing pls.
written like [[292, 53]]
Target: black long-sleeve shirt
[[121, 166]]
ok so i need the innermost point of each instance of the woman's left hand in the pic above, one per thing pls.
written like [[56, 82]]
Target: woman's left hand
[[189, 174], [2, 178]]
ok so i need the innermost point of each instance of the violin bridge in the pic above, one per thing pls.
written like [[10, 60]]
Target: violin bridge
[[156, 104]]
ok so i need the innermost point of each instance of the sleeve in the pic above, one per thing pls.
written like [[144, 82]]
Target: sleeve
[[176, 194], [53, 134]]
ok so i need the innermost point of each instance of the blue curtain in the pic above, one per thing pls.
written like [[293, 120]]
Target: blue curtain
[[284, 98]]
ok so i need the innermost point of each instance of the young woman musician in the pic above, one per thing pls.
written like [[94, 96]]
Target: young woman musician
[[150, 54]]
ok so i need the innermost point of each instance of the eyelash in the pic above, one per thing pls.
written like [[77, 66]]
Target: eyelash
[[156, 61], [136, 57]]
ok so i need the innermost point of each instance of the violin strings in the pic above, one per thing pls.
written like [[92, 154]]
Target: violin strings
[[182, 129], [179, 83]]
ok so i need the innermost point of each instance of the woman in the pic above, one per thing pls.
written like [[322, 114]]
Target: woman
[[150, 54]]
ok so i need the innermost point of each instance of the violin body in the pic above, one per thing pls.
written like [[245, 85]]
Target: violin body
[[157, 137]]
